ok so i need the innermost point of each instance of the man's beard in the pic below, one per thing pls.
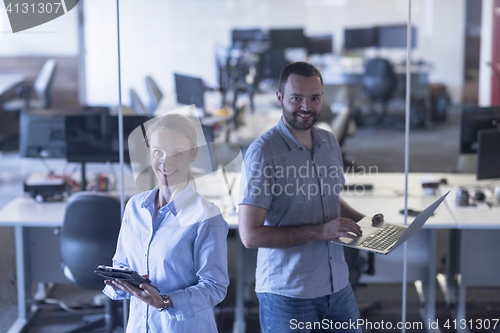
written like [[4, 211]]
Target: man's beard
[[293, 121]]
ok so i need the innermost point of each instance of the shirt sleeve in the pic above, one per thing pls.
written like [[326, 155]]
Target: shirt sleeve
[[211, 271], [257, 179]]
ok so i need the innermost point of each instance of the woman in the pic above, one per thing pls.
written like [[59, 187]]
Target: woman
[[175, 237]]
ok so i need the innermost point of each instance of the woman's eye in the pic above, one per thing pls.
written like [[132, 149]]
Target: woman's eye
[[177, 154], [157, 153]]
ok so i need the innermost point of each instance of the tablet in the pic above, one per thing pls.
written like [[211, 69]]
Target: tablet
[[125, 274]]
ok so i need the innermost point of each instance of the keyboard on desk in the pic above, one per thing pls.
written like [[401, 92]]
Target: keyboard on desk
[[384, 238]]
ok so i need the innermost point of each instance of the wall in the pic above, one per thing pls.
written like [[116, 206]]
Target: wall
[[162, 37], [55, 38]]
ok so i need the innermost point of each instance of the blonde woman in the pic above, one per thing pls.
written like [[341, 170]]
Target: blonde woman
[[175, 237]]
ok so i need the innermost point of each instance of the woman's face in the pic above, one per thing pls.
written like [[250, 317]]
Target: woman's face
[[171, 154]]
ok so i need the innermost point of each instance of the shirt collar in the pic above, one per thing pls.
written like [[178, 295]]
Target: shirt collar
[[180, 200], [317, 136]]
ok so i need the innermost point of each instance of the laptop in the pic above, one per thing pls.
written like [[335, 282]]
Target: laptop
[[385, 237]]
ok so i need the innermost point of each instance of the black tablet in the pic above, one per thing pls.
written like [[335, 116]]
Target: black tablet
[[126, 274]]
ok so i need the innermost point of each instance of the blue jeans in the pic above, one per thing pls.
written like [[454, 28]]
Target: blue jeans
[[337, 312]]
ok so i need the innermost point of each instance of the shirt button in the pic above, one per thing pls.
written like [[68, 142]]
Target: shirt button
[[327, 217]]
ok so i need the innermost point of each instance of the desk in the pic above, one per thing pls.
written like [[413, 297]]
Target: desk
[[8, 81], [167, 105], [475, 237]]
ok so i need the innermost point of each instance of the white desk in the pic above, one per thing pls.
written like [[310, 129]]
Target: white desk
[[473, 247], [168, 105], [8, 81]]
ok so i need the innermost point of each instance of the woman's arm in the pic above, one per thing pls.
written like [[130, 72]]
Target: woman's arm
[[210, 263]]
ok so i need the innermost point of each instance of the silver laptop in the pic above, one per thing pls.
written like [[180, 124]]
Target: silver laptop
[[384, 237]]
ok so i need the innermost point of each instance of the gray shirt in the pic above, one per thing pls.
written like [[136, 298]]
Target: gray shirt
[[297, 186]]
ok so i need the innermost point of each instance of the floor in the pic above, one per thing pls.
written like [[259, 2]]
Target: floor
[[433, 149]]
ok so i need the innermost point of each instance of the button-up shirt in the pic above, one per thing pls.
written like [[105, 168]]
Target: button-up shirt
[[184, 252], [297, 186]]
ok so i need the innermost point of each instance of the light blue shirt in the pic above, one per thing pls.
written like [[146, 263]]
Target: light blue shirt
[[184, 252], [297, 186]]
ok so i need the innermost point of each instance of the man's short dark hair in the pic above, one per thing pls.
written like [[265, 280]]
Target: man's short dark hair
[[298, 68]]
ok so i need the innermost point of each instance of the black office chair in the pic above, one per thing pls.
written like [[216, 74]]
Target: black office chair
[[42, 87], [88, 238], [137, 104], [379, 83], [154, 92]]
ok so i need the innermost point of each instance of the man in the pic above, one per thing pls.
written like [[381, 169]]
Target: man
[[291, 209]]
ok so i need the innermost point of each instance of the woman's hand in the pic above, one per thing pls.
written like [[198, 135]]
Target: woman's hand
[[146, 292]]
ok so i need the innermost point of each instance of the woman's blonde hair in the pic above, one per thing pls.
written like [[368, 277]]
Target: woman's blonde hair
[[177, 123]]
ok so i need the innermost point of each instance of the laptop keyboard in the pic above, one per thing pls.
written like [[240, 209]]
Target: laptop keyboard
[[381, 240]]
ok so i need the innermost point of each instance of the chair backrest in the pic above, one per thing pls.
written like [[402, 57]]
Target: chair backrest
[[379, 79], [89, 235], [43, 82], [340, 124], [154, 92], [137, 104]]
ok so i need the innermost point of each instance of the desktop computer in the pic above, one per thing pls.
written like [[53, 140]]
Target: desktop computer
[[488, 154]]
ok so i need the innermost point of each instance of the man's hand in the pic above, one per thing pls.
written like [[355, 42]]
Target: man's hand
[[146, 293], [340, 227]]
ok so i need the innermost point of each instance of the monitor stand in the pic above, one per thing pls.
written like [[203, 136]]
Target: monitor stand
[[83, 181]]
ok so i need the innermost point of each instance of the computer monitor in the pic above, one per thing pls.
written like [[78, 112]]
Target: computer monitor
[[287, 38], [240, 37], [95, 138], [42, 134], [394, 36], [475, 119], [360, 38], [319, 44], [488, 154], [189, 90]]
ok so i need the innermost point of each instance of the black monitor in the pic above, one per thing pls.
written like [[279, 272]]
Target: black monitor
[[94, 138], [320, 44], [488, 154], [189, 90], [475, 119], [42, 134], [360, 38], [287, 38], [242, 36], [394, 36]]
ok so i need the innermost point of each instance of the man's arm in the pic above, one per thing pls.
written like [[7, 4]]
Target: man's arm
[[349, 212], [254, 233]]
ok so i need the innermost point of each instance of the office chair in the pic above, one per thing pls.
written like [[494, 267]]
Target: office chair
[[137, 104], [42, 87], [379, 82], [154, 92], [88, 238], [338, 124]]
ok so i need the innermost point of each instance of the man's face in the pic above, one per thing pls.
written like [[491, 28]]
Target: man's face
[[301, 101]]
